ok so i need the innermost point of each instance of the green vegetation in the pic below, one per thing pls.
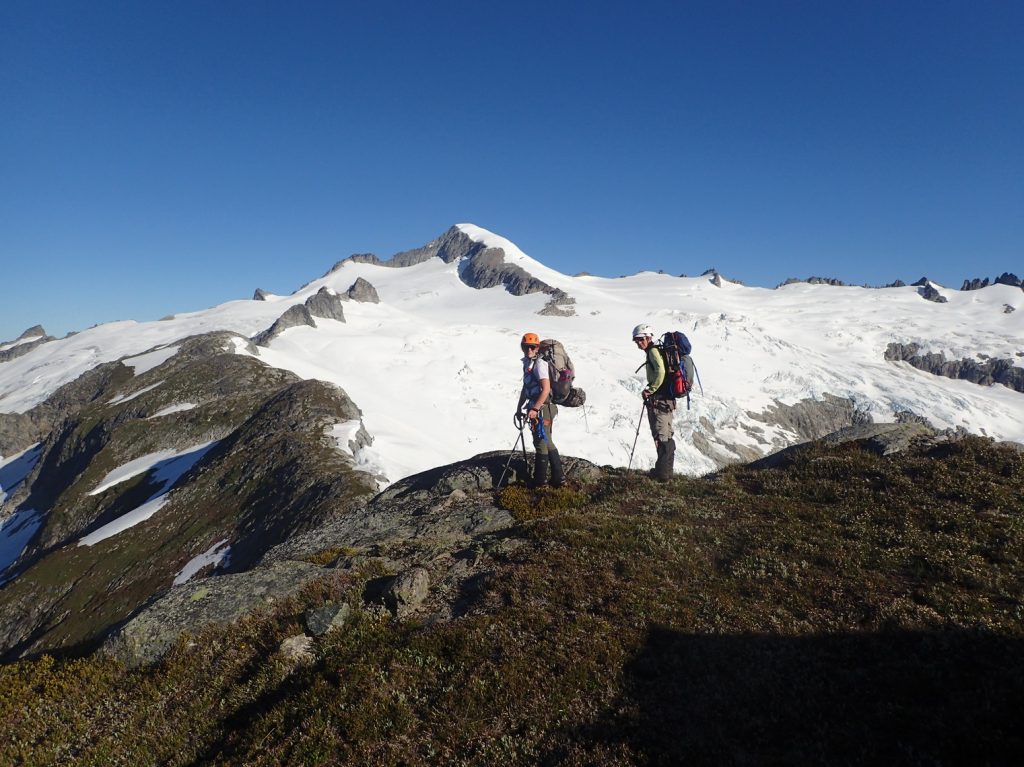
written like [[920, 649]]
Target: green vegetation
[[844, 608]]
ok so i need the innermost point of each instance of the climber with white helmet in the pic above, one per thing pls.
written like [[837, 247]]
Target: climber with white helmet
[[660, 406]]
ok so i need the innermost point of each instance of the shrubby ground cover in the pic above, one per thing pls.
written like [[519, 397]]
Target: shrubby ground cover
[[843, 607]]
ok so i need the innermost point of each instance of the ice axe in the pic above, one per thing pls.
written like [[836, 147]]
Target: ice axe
[[520, 422], [639, 421]]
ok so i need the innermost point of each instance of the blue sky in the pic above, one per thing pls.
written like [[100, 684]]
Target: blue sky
[[165, 157]]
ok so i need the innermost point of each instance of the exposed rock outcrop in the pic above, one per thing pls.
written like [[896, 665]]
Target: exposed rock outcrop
[[985, 373], [1006, 278], [813, 419], [326, 304], [23, 344], [361, 290], [883, 438], [273, 470], [260, 295], [293, 317], [813, 281], [482, 267], [146, 637], [825, 281], [559, 307], [431, 533], [928, 292]]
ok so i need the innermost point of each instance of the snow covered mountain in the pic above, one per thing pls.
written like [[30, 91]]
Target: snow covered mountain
[[201, 440], [434, 364]]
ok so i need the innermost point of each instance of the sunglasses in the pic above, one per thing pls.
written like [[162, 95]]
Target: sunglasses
[[527, 347]]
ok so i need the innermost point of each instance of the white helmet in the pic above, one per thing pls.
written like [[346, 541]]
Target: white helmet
[[643, 330]]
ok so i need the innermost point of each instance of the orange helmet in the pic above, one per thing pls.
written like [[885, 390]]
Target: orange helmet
[[531, 339]]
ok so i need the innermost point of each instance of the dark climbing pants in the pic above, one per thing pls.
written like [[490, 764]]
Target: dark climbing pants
[[548, 413]]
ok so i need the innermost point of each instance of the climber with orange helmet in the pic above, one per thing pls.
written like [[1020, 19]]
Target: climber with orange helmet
[[541, 411]]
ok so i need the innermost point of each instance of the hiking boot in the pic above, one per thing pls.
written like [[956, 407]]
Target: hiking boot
[[666, 459], [557, 475], [540, 471], [653, 471]]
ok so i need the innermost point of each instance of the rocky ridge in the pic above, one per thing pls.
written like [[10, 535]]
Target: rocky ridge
[[481, 267], [24, 343], [419, 548], [985, 372], [260, 467]]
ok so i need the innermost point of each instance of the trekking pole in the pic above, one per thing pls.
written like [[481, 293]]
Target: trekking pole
[[520, 421], [639, 421], [585, 419]]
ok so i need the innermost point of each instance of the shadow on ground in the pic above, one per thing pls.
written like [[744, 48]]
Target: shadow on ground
[[892, 698]]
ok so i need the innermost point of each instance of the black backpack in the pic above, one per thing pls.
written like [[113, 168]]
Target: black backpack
[[680, 372], [562, 373]]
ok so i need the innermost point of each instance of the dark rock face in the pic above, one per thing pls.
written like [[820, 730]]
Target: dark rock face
[[813, 419], [326, 304], [883, 438], [148, 636], [260, 295], [363, 291], [929, 293], [272, 472], [1006, 278], [356, 258], [984, 373], [482, 267], [17, 432], [833, 281], [825, 281], [430, 533], [488, 269], [975, 284], [35, 332], [295, 315], [559, 307]]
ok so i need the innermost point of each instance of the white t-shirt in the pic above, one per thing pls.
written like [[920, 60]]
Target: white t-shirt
[[534, 371]]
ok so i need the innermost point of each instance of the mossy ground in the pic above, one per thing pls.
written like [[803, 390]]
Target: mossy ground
[[845, 608]]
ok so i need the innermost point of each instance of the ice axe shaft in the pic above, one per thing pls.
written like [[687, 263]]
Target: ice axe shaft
[[520, 421], [639, 421]]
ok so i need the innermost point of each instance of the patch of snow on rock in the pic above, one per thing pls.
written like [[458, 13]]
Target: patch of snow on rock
[[13, 470], [122, 398], [166, 473], [212, 556], [146, 362], [179, 408], [15, 533]]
